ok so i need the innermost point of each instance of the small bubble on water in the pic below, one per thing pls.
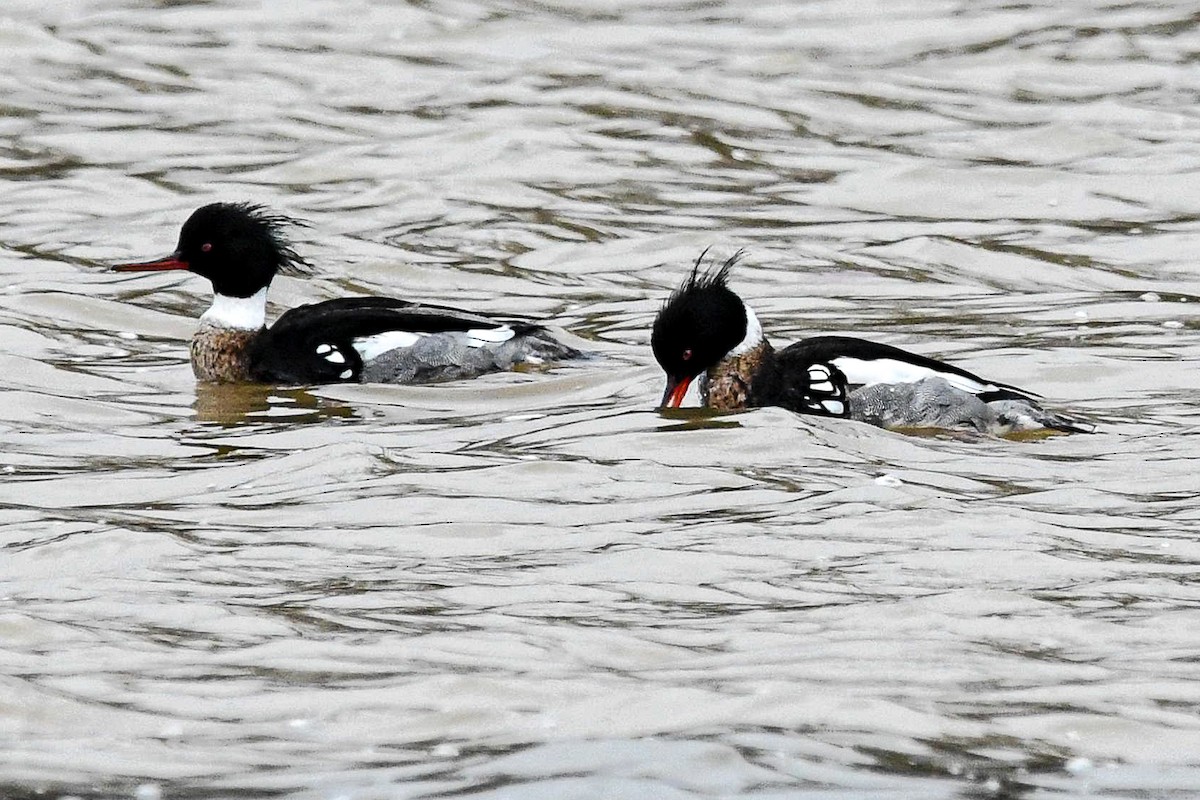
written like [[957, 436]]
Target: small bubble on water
[[1173, 324], [889, 480], [1081, 314], [128, 336], [992, 785], [10, 469], [1150, 297], [1052, 202], [446, 751], [1078, 765], [148, 791]]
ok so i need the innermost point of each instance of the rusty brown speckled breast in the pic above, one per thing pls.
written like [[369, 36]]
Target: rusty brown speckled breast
[[222, 355], [726, 386]]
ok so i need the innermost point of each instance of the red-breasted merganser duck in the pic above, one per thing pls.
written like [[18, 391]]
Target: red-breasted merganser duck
[[240, 247], [705, 330]]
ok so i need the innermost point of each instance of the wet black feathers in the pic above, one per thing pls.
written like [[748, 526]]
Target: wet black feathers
[[700, 322], [827, 348], [240, 247], [707, 281], [801, 382], [290, 350], [288, 261]]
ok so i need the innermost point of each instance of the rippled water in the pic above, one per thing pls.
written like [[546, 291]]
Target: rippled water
[[534, 585]]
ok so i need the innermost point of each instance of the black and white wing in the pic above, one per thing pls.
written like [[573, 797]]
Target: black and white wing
[[891, 387], [330, 342], [866, 363], [809, 385]]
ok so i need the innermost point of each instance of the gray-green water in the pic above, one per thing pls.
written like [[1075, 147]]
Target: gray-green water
[[533, 585]]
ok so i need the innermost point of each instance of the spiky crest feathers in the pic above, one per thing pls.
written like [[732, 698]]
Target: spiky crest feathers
[[275, 225], [716, 277]]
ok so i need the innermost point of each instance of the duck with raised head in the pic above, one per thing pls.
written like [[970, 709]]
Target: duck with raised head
[[706, 331], [240, 247]]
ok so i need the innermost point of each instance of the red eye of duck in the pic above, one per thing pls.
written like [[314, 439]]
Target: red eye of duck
[[687, 355], [206, 247]]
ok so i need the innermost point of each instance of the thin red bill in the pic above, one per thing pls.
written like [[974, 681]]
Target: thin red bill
[[157, 265], [676, 389]]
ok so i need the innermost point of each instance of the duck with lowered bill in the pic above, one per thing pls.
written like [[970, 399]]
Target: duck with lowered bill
[[705, 331]]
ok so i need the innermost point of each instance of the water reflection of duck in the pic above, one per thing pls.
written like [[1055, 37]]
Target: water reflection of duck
[[234, 404], [705, 330], [240, 247]]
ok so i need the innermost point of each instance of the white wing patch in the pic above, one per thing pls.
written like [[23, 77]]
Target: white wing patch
[[890, 370], [819, 378], [821, 382], [372, 347], [482, 337], [332, 354]]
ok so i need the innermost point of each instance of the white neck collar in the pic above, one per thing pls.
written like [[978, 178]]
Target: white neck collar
[[753, 337], [239, 313]]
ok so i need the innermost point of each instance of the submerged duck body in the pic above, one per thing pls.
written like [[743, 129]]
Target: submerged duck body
[[240, 248], [706, 332]]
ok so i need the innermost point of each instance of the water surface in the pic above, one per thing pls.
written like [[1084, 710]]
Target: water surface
[[533, 585]]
